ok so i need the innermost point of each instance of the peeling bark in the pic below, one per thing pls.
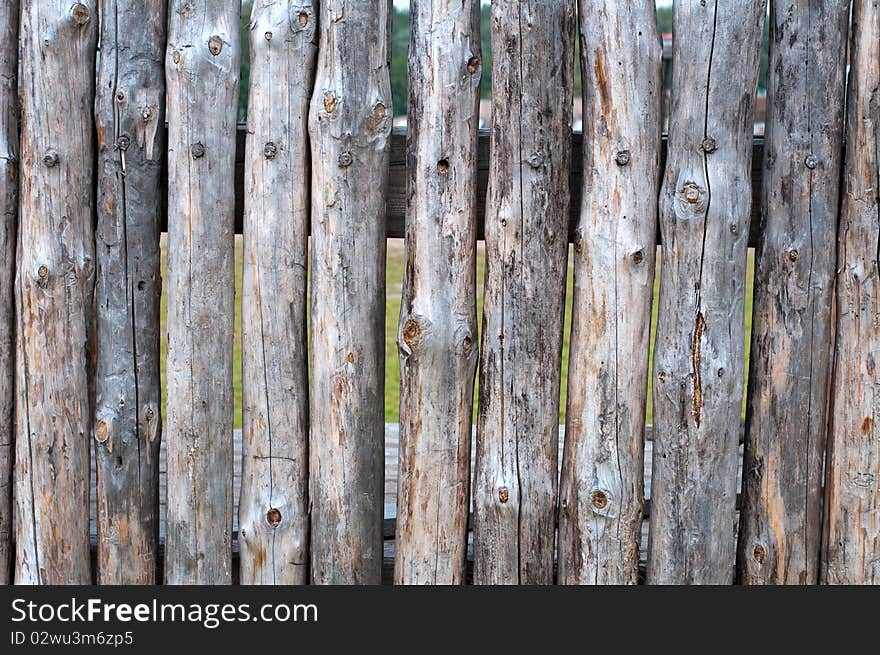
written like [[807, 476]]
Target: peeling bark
[[54, 286], [698, 360], [601, 489]]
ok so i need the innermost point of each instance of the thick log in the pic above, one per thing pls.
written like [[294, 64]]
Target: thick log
[[438, 317], [789, 367], [350, 128], [603, 461], [527, 212], [851, 542], [55, 285], [8, 228], [698, 357], [273, 511], [202, 70], [129, 109]]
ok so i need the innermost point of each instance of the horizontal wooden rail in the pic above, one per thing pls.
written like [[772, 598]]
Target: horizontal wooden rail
[[396, 216]]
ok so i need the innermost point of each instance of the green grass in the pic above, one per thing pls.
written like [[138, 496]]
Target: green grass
[[394, 280]]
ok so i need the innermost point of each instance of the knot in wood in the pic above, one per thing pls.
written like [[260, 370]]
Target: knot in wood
[[147, 113], [80, 14], [734, 229], [268, 36], [377, 117], [473, 65], [270, 150], [708, 145], [692, 193], [149, 414], [51, 158], [638, 257], [43, 272], [120, 96], [329, 102], [443, 166], [622, 157], [466, 345], [721, 372], [101, 432], [412, 333], [303, 18], [215, 45], [176, 57], [345, 160], [503, 494], [793, 255], [599, 499], [198, 150], [535, 160], [123, 142], [811, 162], [759, 553], [273, 518]]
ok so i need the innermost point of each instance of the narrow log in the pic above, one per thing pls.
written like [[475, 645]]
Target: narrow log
[[202, 70], [273, 513], [601, 489], [350, 128], [527, 213], [129, 111], [55, 281], [698, 358], [438, 319], [8, 228], [780, 524], [851, 543]]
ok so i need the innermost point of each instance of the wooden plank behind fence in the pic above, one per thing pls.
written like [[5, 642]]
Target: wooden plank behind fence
[[54, 286], [8, 229], [780, 524], [273, 512], [526, 249], [602, 472], [438, 323], [129, 109], [704, 218], [851, 545], [202, 68], [350, 128]]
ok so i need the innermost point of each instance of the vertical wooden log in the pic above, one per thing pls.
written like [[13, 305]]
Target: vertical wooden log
[[851, 545], [8, 223], [55, 287], [350, 126], [601, 490], [130, 118], [438, 322], [526, 250], [202, 69], [273, 511], [780, 522], [698, 364]]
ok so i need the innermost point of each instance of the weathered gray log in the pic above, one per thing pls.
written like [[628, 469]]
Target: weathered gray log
[[273, 512], [851, 541], [129, 110], [55, 289], [438, 317], [780, 524], [8, 228], [350, 128], [527, 212], [202, 69], [698, 362], [601, 488]]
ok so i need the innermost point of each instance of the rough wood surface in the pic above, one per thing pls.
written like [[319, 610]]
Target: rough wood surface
[[851, 544], [54, 286], [437, 337], [526, 249], [698, 359], [350, 128], [202, 70], [273, 511], [8, 228], [129, 109], [780, 525], [600, 497]]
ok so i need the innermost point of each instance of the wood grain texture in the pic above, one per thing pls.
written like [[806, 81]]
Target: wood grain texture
[[8, 229], [527, 212], [438, 323], [350, 128], [202, 72], [698, 357], [55, 285], [603, 460], [273, 511], [129, 110], [789, 374], [851, 544]]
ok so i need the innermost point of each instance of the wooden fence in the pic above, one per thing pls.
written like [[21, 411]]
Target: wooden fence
[[319, 180]]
